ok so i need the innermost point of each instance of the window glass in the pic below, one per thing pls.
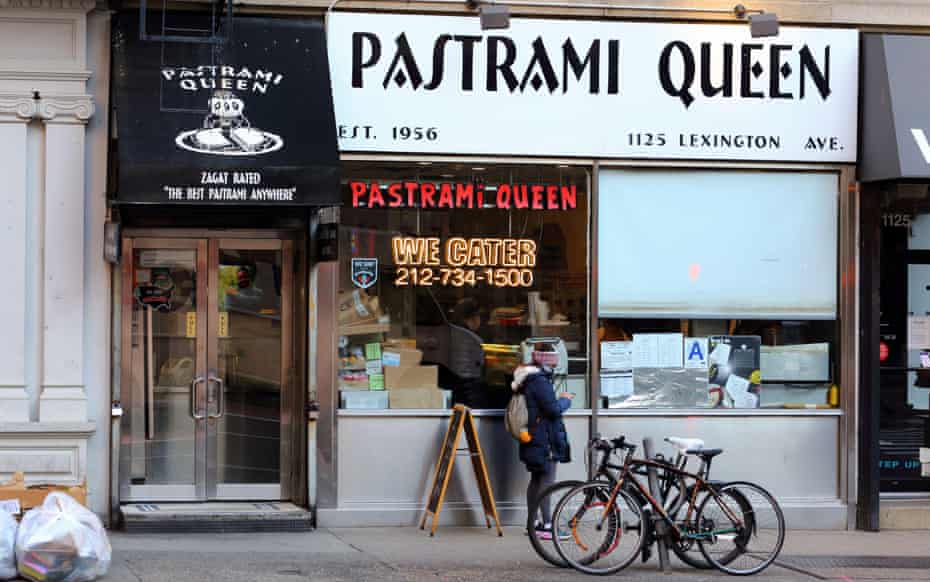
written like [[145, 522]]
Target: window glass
[[710, 244], [450, 274], [717, 289]]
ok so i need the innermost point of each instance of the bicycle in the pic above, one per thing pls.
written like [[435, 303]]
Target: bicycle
[[727, 519], [673, 490]]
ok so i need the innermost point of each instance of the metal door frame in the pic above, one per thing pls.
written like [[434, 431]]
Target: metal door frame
[[207, 244], [216, 406], [174, 492]]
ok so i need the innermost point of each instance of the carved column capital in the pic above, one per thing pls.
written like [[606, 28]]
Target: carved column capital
[[84, 5], [17, 108], [75, 109]]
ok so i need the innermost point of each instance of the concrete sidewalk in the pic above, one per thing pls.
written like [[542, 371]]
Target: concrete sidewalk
[[459, 554]]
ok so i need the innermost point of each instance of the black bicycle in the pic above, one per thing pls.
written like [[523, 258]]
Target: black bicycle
[[672, 486], [600, 527]]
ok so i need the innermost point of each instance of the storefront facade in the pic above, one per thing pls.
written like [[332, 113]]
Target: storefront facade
[[225, 152], [894, 460], [561, 181], [54, 389]]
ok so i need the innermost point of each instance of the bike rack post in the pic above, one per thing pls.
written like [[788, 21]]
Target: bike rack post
[[660, 525]]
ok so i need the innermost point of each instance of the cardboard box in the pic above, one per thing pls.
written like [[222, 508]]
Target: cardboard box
[[401, 357], [405, 378], [33, 495], [357, 308], [428, 398], [363, 399], [400, 343]]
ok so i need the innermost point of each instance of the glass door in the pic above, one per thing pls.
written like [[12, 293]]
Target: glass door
[[163, 370], [248, 362], [205, 369], [905, 347]]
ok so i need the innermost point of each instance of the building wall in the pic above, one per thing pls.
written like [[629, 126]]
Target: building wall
[[54, 377], [909, 14]]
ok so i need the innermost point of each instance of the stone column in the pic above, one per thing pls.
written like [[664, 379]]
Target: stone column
[[15, 113], [63, 397]]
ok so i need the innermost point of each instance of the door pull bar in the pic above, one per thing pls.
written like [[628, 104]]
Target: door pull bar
[[194, 383], [220, 396]]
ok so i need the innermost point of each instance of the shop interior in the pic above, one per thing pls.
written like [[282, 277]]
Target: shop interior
[[904, 348], [439, 296]]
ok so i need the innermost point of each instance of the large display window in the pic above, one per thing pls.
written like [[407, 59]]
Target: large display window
[[451, 273], [717, 289]]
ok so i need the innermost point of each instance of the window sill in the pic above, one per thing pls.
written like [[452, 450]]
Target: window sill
[[720, 412], [433, 413]]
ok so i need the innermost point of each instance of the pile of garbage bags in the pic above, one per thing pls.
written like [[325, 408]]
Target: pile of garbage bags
[[59, 541]]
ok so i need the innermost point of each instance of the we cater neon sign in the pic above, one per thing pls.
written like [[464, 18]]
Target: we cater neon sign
[[463, 195]]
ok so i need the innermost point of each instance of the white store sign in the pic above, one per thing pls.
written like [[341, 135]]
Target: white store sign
[[439, 84]]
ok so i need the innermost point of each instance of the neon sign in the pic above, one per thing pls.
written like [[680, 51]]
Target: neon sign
[[463, 195], [499, 262]]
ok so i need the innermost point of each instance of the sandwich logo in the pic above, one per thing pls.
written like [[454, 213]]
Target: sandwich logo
[[226, 131]]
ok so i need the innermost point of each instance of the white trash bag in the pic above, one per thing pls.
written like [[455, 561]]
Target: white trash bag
[[62, 541], [7, 546]]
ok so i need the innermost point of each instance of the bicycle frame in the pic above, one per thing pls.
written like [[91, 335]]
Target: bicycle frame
[[700, 484]]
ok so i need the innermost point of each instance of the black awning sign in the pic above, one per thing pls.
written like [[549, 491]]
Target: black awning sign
[[250, 123], [895, 108]]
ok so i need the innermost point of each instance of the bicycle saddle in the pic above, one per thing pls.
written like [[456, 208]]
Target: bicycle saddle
[[686, 446]]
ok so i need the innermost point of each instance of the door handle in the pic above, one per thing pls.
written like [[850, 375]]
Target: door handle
[[194, 383], [220, 396]]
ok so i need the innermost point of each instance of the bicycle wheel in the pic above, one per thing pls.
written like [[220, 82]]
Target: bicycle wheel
[[676, 504], [741, 529], [593, 539], [546, 548]]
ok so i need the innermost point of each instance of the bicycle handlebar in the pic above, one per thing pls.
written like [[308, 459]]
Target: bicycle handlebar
[[610, 445]]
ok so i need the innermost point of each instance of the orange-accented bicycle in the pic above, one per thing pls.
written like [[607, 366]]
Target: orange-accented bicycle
[[738, 527]]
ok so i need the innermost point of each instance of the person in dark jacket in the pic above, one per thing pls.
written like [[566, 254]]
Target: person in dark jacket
[[549, 443]]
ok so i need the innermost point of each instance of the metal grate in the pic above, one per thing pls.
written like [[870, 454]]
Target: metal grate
[[876, 562]]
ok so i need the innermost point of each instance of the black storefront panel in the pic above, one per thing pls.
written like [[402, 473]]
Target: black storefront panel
[[245, 122]]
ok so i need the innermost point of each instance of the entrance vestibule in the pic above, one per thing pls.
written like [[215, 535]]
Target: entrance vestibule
[[207, 366]]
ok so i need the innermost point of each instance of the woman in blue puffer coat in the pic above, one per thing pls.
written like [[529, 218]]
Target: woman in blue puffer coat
[[549, 443]]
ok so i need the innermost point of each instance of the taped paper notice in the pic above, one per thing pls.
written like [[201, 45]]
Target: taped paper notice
[[616, 355], [223, 325], [738, 389], [696, 353], [918, 332], [191, 327], [657, 350], [616, 385], [721, 354]]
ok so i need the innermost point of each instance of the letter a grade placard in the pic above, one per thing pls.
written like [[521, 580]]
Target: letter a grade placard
[[461, 420]]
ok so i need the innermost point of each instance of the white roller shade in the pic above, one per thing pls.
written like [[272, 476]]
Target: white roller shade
[[717, 244]]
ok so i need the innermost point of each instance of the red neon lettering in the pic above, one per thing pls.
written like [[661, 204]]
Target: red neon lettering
[[503, 196], [537, 197], [521, 197], [427, 192], [445, 196], [569, 197], [375, 198], [395, 199], [480, 196], [411, 188], [465, 195], [358, 190], [552, 197]]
